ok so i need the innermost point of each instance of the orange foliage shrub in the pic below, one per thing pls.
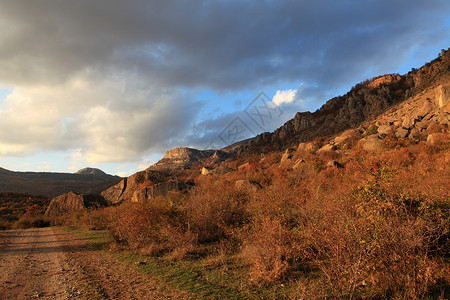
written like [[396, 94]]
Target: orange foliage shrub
[[215, 208]]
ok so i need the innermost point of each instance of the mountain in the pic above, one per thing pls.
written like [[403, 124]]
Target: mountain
[[54, 184], [93, 172], [182, 158], [363, 102]]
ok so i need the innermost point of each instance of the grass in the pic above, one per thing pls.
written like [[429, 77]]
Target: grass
[[205, 277], [97, 238]]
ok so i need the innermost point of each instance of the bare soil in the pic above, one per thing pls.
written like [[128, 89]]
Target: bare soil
[[51, 263]]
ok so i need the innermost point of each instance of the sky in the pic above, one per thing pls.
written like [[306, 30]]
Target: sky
[[114, 84]]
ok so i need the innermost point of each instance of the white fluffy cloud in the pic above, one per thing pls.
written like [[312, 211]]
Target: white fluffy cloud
[[109, 119], [284, 96]]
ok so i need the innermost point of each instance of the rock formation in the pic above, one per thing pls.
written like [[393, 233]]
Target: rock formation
[[73, 202], [124, 190], [181, 158]]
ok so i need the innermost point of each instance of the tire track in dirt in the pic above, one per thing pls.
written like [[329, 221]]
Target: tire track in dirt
[[32, 266], [52, 263]]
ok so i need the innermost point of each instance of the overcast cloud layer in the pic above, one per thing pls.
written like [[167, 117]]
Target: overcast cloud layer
[[115, 81]]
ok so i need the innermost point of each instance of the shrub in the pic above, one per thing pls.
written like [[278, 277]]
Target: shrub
[[374, 246], [268, 248], [215, 209]]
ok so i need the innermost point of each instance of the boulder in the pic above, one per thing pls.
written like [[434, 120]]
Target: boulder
[[298, 164], [73, 202], [408, 122], [425, 109], [423, 125], [123, 191], [288, 155], [384, 129], [343, 137], [414, 134], [247, 185], [371, 143], [113, 194], [401, 133], [397, 123], [327, 147], [207, 170]]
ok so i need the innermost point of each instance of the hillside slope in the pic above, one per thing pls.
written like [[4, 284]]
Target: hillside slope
[[54, 184], [362, 103]]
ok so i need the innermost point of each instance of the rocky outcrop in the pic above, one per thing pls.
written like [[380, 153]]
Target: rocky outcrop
[[73, 202], [288, 155], [124, 190], [385, 79], [156, 190], [443, 96], [181, 158]]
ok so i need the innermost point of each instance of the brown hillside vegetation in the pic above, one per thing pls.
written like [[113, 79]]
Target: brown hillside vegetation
[[15, 205], [357, 207]]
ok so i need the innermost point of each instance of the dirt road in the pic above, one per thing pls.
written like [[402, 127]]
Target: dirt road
[[54, 264]]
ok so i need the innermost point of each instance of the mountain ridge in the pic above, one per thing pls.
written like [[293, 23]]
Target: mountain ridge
[[53, 184], [365, 101]]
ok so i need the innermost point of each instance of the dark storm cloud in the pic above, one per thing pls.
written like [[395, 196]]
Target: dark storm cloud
[[218, 44]]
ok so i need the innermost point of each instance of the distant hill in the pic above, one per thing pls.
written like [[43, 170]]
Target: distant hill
[[87, 180], [94, 172]]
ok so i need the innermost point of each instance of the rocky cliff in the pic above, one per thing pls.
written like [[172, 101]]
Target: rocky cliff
[[180, 158], [149, 183], [363, 102]]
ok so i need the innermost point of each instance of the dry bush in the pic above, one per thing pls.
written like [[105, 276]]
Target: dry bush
[[268, 249], [98, 219], [304, 172], [269, 242], [5, 225], [74, 218], [178, 241], [33, 217], [374, 245], [397, 158], [148, 227], [215, 208]]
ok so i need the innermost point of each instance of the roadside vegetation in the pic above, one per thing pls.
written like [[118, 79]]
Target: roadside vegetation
[[377, 226], [18, 210]]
